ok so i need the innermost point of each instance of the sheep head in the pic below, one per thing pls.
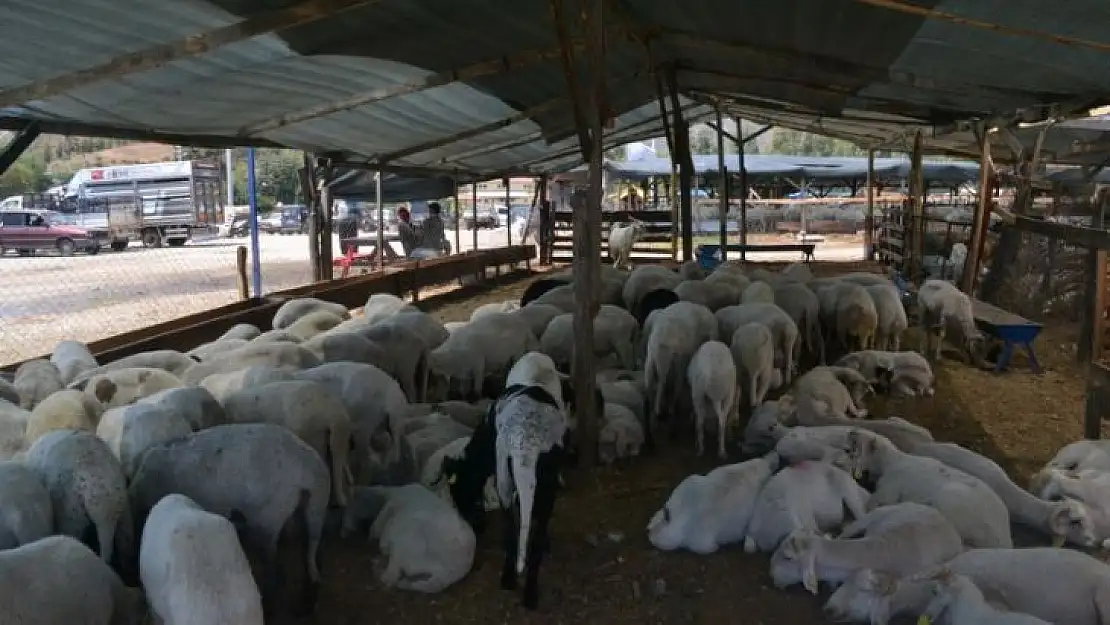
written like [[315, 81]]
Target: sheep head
[[866, 597], [1070, 521], [796, 558]]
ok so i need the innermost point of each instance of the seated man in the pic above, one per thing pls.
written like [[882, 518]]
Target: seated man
[[433, 241]]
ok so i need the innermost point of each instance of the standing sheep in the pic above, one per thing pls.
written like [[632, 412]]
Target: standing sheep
[[621, 434], [942, 304], [798, 301], [539, 287], [712, 380], [854, 319], [758, 292], [131, 430], [892, 321], [72, 358], [671, 345], [621, 239], [65, 410], [35, 380], [193, 568], [753, 354], [537, 316], [644, 279], [26, 513], [486, 348], [312, 324], [782, 327], [260, 472]]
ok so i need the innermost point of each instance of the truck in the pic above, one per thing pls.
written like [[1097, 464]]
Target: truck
[[155, 203]]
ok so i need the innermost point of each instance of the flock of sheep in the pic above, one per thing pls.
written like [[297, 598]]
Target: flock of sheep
[[151, 484]]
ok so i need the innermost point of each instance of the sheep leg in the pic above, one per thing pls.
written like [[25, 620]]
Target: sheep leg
[[700, 408], [539, 541], [509, 544], [723, 411], [755, 385]]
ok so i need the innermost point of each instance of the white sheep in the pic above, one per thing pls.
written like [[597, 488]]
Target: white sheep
[[826, 443], [281, 354], [72, 358], [86, 485], [120, 387], [310, 411], [706, 512], [727, 287], [753, 354], [808, 495], [615, 338], [312, 324], [260, 472], [711, 377], [407, 356], [957, 257], [906, 374], [670, 347], [35, 380], [8, 392], [621, 434], [561, 297], [420, 323], [691, 270], [168, 360], [798, 301], [432, 476], [486, 347], [942, 304], [428, 545], [958, 599], [203, 352], [193, 568], [841, 389], [976, 512], [853, 316], [766, 425], [241, 331], [130, 430], [26, 513], [537, 316], [222, 385], [621, 239], [902, 538], [627, 393], [758, 292], [644, 279], [277, 336], [13, 426], [892, 321], [59, 581], [495, 307], [65, 410], [1084, 454], [797, 271], [1062, 520], [703, 293], [294, 309], [782, 327], [194, 404]]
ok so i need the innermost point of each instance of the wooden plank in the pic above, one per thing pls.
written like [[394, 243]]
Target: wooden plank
[[982, 214], [1079, 236]]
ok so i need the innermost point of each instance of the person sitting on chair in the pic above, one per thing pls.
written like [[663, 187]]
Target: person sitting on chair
[[406, 231], [433, 237]]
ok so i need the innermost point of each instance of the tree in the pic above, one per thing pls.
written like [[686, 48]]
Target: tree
[[795, 142]]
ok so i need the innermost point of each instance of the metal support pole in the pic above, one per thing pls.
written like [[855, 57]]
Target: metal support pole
[[743, 190], [381, 219], [508, 213], [458, 217], [474, 213], [252, 201], [723, 190], [869, 222], [229, 164], [805, 209]]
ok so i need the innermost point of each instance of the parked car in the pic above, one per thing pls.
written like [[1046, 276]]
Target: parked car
[[289, 219], [487, 218], [27, 231]]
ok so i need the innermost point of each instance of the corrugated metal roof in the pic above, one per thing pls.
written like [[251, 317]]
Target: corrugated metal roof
[[799, 63]]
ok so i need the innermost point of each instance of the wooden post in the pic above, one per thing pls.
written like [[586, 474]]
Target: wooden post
[[671, 184], [326, 202], [474, 214], [1091, 335], [1095, 401], [917, 212], [869, 221], [982, 214], [740, 141], [458, 218], [380, 205], [312, 198], [543, 240], [685, 169], [723, 191], [241, 272]]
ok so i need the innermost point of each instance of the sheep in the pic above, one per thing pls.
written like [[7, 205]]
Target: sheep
[[521, 443], [840, 388], [432, 475], [8, 392], [120, 387], [892, 322], [957, 597], [706, 512], [222, 385], [131, 430], [727, 287], [72, 358], [407, 357], [453, 326], [902, 538], [699, 292], [1081, 455], [621, 434], [193, 568], [312, 324], [643, 280], [279, 354], [281, 336], [34, 381], [430, 331], [782, 327], [310, 411], [827, 443], [346, 347], [487, 347], [168, 360], [852, 316], [418, 440], [86, 485], [627, 393], [976, 512], [26, 513], [808, 495], [621, 239], [753, 354], [1062, 520], [294, 309], [798, 301], [205, 351], [654, 300], [537, 316], [13, 426], [691, 270], [940, 304], [711, 376], [428, 545], [260, 472], [194, 404], [539, 287], [615, 337], [495, 307], [799, 272], [65, 410], [765, 426], [59, 581], [957, 256], [1056, 585], [240, 331], [758, 292], [561, 297], [670, 347], [904, 373]]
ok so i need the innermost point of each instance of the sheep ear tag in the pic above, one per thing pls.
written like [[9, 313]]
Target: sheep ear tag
[[1058, 541], [924, 620]]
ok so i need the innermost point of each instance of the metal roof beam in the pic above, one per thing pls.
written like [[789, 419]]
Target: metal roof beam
[[79, 129], [18, 145], [193, 45]]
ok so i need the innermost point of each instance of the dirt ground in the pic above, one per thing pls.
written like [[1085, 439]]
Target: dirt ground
[[603, 569]]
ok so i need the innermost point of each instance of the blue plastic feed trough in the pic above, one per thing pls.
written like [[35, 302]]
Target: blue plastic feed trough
[[708, 256], [1013, 330]]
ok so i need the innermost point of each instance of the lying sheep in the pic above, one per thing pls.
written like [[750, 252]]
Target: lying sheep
[[711, 376], [1063, 520], [706, 512], [86, 485], [782, 328], [72, 358], [168, 360], [1081, 455], [621, 434], [892, 321], [126, 386], [428, 545], [758, 292], [193, 568], [65, 410], [310, 411], [432, 476], [942, 304], [827, 443], [192, 403], [841, 389], [495, 307], [753, 354], [766, 426], [961, 601], [312, 324], [621, 239], [34, 381], [59, 581], [976, 512], [205, 351], [905, 374], [26, 513], [260, 472], [294, 309], [130, 430], [276, 336], [808, 495], [902, 538]]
